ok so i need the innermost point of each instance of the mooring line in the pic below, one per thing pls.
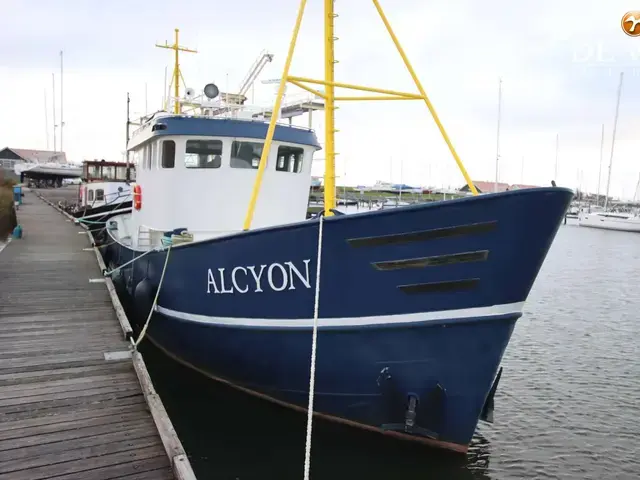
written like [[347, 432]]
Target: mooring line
[[155, 301], [314, 344]]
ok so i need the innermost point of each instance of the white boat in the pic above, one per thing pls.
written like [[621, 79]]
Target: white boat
[[626, 222], [611, 220]]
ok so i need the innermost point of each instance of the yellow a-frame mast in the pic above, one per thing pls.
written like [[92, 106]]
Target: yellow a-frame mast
[[329, 97], [177, 74]]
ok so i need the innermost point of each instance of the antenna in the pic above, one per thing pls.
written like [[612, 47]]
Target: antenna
[[177, 74], [126, 145]]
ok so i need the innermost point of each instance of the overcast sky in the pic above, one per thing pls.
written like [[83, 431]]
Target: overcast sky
[[559, 61]]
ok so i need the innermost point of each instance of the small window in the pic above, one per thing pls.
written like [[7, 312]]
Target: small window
[[149, 151], [289, 159], [168, 154], [203, 154], [90, 196], [246, 154], [99, 195]]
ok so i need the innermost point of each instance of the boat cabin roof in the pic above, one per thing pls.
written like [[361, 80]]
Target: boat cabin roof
[[220, 127]]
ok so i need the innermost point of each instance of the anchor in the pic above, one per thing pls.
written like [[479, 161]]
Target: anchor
[[421, 417]]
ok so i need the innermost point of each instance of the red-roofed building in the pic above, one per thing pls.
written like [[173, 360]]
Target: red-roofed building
[[486, 187], [519, 186]]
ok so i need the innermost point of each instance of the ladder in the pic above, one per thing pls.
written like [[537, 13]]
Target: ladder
[[144, 237]]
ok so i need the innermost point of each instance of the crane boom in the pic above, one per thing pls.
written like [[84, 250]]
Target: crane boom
[[255, 70]]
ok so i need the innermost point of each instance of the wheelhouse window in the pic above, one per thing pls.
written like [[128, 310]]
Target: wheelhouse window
[[289, 159], [99, 195], [168, 154], [203, 154], [246, 154], [90, 196], [137, 159], [149, 154]]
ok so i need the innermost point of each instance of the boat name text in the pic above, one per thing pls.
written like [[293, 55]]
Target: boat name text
[[252, 278]]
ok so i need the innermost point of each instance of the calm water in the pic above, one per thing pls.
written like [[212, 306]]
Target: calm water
[[568, 404]]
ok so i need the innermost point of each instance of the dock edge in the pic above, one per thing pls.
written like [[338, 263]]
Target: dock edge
[[175, 451]]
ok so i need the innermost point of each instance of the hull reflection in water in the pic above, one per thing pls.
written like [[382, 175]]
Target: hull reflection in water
[[417, 306]]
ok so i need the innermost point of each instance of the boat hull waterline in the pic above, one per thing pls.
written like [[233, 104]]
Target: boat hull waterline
[[417, 306]]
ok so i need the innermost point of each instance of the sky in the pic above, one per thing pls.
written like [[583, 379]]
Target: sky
[[559, 62]]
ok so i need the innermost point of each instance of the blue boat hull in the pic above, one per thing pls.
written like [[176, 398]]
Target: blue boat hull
[[417, 306]]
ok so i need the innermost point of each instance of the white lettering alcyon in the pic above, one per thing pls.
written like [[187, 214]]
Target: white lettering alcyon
[[234, 280], [244, 279]]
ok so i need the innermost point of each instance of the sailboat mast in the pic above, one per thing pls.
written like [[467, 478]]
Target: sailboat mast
[[329, 111], [613, 141], [555, 170], [46, 117], [495, 185], [61, 102], [600, 167], [53, 107]]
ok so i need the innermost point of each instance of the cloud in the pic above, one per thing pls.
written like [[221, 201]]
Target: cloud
[[559, 64]]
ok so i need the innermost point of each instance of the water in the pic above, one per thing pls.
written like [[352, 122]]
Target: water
[[568, 404]]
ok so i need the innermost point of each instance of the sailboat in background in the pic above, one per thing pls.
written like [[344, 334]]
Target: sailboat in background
[[611, 220]]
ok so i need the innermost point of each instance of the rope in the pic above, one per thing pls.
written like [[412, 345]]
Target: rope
[[155, 301], [107, 273], [314, 343], [81, 219]]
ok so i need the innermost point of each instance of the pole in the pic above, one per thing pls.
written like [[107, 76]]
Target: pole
[[46, 117], [600, 167], [146, 103], [495, 185], [613, 140], [53, 79], [61, 103], [176, 70]]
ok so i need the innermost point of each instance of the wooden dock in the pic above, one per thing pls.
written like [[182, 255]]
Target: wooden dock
[[75, 401]]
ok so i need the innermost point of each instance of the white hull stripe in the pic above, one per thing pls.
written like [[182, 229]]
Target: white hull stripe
[[476, 312]]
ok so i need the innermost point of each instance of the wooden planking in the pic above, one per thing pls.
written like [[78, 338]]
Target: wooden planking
[[65, 411]]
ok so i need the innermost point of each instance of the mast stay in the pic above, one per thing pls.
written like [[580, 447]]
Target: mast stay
[[329, 97]]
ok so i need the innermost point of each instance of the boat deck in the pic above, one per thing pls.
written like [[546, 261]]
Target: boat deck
[[73, 404]]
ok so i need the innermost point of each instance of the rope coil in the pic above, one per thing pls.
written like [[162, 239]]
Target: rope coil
[[314, 345]]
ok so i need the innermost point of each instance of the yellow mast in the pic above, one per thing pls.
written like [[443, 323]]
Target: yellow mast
[[329, 111], [177, 74], [329, 97]]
